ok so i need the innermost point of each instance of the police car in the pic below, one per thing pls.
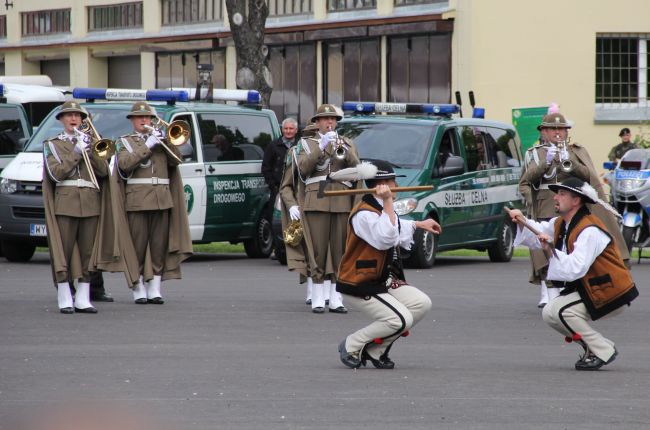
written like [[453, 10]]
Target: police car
[[225, 192], [473, 164]]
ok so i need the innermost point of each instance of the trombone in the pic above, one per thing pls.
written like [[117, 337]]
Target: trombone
[[177, 133], [102, 148]]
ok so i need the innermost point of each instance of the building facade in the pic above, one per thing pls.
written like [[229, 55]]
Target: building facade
[[589, 56]]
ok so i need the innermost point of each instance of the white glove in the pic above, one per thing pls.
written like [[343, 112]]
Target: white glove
[[294, 213], [80, 146], [327, 138], [551, 152], [151, 141]]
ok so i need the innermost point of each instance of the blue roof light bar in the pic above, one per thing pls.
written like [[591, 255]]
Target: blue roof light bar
[[415, 108], [129, 94]]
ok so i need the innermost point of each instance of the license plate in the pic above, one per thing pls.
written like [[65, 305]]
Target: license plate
[[38, 230]]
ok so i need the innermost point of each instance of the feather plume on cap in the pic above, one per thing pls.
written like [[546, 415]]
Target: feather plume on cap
[[591, 193], [553, 108], [360, 172]]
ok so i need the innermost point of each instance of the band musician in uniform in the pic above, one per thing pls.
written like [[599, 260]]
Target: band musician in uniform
[[154, 203], [73, 180], [325, 219], [586, 264], [371, 276], [551, 162]]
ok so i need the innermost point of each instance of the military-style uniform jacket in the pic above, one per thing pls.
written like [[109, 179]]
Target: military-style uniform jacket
[[608, 284], [533, 185], [619, 150], [152, 182], [314, 165]]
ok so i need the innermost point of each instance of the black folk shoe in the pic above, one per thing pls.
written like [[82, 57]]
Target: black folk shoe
[[90, 310], [350, 360], [592, 362], [382, 363]]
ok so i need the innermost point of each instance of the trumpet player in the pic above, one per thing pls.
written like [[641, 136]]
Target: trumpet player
[[325, 220], [551, 162], [73, 181], [154, 204]]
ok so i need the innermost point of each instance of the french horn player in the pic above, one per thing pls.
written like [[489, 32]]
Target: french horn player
[[551, 162]]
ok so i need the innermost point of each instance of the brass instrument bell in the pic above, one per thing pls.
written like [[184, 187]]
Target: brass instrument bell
[[178, 132], [102, 148]]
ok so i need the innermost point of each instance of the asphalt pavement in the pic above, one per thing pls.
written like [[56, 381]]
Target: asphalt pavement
[[235, 347]]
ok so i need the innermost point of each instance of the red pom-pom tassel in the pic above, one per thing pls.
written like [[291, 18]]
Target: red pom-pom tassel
[[406, 333], [568, 339], [378, 340], [577, 337]]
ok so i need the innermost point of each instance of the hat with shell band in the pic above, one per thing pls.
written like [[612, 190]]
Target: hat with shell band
[[142, 109], [72, 107], [576, 186], [326, 110]]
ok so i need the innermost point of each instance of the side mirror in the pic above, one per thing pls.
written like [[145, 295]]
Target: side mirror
[[609, 165], [454, 165], [21, 144]]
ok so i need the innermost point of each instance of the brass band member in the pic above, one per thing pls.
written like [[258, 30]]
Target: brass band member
[[154, 203], [588, 266], [554, 160], [71, 194], [325, 219]]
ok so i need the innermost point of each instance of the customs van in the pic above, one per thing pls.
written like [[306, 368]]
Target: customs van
[[226, 196], [473, 164]]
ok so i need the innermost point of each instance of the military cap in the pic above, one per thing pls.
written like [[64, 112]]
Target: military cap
[[326, 110], [554, 120], [142, 109], [72, 107], [624, 131]]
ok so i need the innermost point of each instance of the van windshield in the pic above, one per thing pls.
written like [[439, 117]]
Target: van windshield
[[110, 124], [404, 145]]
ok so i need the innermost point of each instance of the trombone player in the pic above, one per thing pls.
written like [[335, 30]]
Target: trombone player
[[154, 203], [73, 182], [552, 161]]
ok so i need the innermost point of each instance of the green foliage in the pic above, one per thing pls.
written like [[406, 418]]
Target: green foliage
[[642, 138]]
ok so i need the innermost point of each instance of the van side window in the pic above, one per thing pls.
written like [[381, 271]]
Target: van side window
[[188, 150], [506, 149], [228, 137], [479, 151], [11, 130]]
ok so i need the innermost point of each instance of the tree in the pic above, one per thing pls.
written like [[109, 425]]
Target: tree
[[247, 21]]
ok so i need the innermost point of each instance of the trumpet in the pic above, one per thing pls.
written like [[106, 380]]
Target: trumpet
[[339, 151], [293, 234], [563, 156], [177, 133]]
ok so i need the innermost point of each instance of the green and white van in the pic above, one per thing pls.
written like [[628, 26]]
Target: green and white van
[[226, 196], [473, 164]]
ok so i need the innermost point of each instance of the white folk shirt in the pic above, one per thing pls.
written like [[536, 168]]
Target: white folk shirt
[[378, 231], [566, 267]]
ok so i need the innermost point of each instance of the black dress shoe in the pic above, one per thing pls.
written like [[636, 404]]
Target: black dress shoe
[[339, 310], [141, 301], [156, 301], [66, 311], [382, 363], [318, 310], [104, 297], [308, 302], [89, 310], [350, 360], [327, 302], [592, 362]]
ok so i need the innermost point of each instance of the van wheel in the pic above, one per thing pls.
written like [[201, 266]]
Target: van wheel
[[502, 250], [423, 253], [17, 252], [260, 245]]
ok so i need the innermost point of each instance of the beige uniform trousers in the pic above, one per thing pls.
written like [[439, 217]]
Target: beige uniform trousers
[[327, 231], [568, 315], [81, 231], [393, 313], [150, 228]]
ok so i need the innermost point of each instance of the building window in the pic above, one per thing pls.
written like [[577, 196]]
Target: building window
[[178, 69], [352, 71], [622, 70], [339, 5], [45, 22], [176, 12], [289, 7], [3, 26], [408, 2], [125, 15]]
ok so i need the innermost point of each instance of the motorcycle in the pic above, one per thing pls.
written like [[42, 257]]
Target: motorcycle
[[630, 194]]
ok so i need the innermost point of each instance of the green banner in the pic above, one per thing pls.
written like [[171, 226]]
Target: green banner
[[526, 121]]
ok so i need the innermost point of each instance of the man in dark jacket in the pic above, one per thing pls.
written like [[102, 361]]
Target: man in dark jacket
[[274, 157]]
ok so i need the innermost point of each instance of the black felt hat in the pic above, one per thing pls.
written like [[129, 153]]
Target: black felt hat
[[577, 186]]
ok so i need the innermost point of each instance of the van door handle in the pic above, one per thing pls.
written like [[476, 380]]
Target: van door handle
[[198, 170], [211, 169]]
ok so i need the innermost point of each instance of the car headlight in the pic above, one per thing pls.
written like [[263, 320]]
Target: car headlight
[[405, 206], [629, 184], [8, 186]]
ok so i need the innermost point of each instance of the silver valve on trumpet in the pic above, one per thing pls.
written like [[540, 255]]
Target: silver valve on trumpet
[[563, 155]]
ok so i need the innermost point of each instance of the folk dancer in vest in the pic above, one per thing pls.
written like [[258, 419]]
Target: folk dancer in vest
[[551, 162], [587, 265], [371, 276], [325, 219], [154, 203], [72, 195]]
